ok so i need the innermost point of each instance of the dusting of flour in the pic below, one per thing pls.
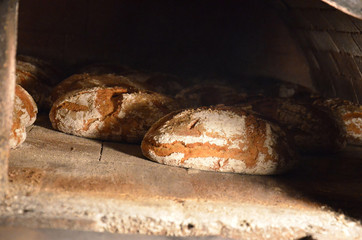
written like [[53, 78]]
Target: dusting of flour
[[224, 124]]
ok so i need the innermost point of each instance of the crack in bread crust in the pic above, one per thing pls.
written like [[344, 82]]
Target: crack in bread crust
[[24, 115], [257, 146], [313, 128], [108, 111]]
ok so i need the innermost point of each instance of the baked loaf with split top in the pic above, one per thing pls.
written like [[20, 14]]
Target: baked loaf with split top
[[312, 128], [85, 81], [106, 107], [348, 114], [24, 115], [222, 139], [344, 112]]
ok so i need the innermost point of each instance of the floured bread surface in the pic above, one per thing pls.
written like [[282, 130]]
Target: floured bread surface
[[108, 107], [313, 129], [223, 139], [349, 114], [24, 115], [48, 72], [92, 80]]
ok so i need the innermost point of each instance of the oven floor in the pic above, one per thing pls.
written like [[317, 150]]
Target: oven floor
[[67, 182]]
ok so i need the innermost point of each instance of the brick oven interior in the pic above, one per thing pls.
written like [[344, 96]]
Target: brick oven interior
[[63, 182]]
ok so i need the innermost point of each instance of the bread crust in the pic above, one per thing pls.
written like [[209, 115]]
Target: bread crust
[[24, 115], [154, 81], [107, 107], [313, 129], [85, 81], [348, 114], [223, 139], [48, 72], [37, 77]]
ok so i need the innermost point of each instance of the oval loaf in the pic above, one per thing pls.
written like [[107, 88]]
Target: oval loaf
[[106, 107], [223, 139], [313, 129]]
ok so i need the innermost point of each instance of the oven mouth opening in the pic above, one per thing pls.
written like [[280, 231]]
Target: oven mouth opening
[[56, 180]]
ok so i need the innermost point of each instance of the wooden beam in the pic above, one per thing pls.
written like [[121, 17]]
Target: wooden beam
[[8, 36]]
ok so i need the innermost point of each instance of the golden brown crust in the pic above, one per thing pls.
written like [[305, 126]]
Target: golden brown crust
[[87, 81], [107, 107], [218, 139], [24, 115]]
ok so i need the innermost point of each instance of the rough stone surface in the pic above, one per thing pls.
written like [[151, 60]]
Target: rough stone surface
[[58, 234], [66, 182]]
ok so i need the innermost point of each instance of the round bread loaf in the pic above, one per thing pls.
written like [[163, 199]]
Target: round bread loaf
[[37, 77], [158, 82], [107, 107], [208, 94], [46, 71], [24, 115], [85, 81], [349, 114], [313, 129], [224, 139]]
